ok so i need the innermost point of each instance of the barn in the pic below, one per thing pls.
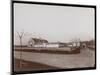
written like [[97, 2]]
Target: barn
[[36, 42]]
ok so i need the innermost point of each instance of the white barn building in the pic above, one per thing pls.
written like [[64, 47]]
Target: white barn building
[[35, 42]]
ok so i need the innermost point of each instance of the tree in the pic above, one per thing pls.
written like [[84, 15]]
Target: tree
[[20, 35], [76, 42]]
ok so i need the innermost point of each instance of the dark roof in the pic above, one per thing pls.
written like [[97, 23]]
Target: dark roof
[[39, 40]]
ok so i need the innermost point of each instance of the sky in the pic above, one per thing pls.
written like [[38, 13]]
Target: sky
[[53, 23]]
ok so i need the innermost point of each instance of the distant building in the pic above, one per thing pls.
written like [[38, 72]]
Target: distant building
[[35, 42], [90, 43], [56, 44], [73, 44]]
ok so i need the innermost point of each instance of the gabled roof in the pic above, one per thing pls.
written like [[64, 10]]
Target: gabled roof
[[39, 40]]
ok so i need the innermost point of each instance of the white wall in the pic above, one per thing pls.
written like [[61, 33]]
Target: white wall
[[52, 45], [5, 41], [47, 45]]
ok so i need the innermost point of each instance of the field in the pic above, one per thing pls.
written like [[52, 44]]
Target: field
[[54, 58], [28, 66]]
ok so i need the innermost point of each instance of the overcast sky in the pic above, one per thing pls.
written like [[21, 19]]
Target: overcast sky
[[54, 23]]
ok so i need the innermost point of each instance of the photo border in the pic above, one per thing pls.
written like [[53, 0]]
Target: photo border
[[52, 4]]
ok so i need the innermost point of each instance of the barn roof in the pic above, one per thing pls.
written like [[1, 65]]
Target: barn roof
[[39, 40]]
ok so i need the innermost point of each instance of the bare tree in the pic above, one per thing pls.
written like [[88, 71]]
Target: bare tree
[[75, 42], [20, 35]]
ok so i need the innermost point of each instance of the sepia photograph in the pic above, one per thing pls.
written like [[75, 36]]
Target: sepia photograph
[[53, 37]]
